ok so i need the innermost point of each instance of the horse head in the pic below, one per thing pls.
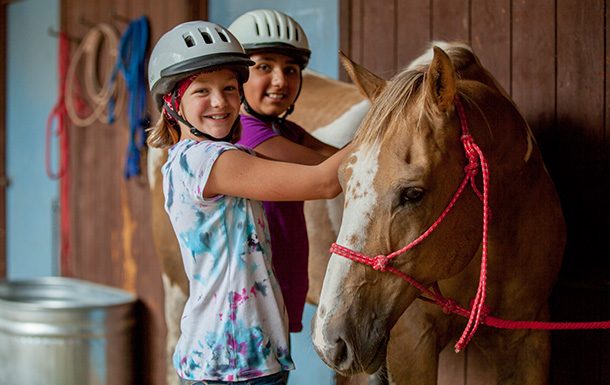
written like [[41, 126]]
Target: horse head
[[407, 163]]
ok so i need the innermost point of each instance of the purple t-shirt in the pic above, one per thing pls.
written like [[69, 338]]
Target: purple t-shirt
[[289, 244]]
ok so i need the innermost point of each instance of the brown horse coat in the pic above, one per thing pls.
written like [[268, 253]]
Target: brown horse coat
[[406, 164]]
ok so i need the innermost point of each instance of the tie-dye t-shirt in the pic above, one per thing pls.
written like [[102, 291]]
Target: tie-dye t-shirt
[[234, 325]]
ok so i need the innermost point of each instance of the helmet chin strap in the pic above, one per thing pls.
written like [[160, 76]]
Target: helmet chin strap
[[195, 131]]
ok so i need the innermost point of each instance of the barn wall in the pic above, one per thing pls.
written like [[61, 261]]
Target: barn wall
[[111, 232], [552, 57]]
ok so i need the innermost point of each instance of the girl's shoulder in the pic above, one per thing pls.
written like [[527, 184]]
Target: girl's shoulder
[[204, 146], [191, 151]]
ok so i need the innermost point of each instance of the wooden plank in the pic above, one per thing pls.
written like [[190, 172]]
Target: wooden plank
[[345, 33], [142, 267], [357, 30], [580, 122], [413, 30], [379, 37], [533, 69], [450, 20], [199, 9], [76, 30], [490, 35]]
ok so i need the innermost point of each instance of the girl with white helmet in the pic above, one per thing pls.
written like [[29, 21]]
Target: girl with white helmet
[[279, 48], [234, 325]]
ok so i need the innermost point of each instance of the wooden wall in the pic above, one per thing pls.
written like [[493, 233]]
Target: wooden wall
[[110, 216], [552, 57]]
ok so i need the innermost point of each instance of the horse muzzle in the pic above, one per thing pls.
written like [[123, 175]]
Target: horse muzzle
[[349, 349]]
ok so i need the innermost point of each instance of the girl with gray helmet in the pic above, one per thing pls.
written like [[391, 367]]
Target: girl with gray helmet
[[280, 50], [234, 325]]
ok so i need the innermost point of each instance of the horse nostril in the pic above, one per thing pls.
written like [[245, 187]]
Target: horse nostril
[[340, 353]]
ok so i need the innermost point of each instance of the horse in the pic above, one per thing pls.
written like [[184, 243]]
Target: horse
[[445, 164], [331, 110]]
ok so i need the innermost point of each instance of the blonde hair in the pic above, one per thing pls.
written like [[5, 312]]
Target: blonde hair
[[163, 134]]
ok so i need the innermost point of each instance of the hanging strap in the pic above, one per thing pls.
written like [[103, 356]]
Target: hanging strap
[[131, 63], [61, 172]]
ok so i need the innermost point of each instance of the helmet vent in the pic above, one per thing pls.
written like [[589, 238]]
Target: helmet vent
[[223, 37], [296, 32], [188, 39], [206, 37]]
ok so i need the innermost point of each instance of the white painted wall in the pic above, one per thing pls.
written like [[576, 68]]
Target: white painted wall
[[32, 87]]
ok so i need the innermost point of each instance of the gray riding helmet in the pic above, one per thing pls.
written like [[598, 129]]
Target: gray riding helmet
[[192, 47], [269, 30]]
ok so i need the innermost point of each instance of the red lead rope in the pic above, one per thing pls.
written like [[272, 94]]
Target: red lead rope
[[478, 314], [59, 113]]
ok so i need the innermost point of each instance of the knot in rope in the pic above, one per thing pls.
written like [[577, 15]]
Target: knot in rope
[[449, 306], [380, 263], [472, 168]]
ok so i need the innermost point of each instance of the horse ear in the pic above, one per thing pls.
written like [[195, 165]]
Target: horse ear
[[369, 84], [440, 82]]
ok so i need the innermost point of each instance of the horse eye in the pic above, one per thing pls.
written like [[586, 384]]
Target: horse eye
[[411, 195]]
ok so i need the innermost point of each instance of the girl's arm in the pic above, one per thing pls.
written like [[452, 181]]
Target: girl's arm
[[236, 173], [286, 150], [318, 146]]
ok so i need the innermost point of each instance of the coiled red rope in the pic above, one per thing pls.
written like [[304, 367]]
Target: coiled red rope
[[478, 314]]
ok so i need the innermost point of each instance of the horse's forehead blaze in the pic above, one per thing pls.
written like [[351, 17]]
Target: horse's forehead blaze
[[360, 170], [360, 196]]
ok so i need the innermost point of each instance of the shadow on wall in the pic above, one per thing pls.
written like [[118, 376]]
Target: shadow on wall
[[579, 163]]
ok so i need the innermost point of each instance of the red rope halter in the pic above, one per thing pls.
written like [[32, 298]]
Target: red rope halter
[[478, 313]]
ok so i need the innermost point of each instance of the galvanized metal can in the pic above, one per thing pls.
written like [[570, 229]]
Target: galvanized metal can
[[63, 331]]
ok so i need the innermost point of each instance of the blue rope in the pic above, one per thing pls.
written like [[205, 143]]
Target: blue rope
[[131, 63]]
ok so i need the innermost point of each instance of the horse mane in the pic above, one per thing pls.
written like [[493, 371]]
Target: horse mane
[[388, 111]]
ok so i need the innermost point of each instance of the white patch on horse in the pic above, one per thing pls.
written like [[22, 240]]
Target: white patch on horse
[[155, 161], [360, 199], [341, 130]]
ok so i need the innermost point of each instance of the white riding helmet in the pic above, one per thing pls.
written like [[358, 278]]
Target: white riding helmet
[[269, 30], [192, 47]]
